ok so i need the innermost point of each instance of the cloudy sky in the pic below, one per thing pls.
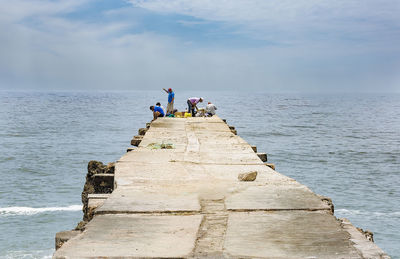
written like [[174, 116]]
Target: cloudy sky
[[249, 45]]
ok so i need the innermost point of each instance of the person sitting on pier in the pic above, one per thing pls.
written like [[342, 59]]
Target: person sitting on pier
[[210, 109], [157, 112], [192, 103]]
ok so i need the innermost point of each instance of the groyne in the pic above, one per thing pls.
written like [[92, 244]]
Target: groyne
[[192, 188]]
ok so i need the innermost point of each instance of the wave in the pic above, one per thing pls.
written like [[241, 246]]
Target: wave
[[32, 211], [346, 212], [43, 254]]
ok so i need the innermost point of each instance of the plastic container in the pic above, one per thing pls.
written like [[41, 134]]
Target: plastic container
[[188, 115]]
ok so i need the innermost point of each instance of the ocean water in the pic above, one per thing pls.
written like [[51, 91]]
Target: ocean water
[[346, 147]]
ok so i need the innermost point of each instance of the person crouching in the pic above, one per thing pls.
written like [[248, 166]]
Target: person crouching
[[210, 109], [157, 112], [192, 104]]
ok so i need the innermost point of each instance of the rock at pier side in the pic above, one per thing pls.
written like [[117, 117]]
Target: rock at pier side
[[136, 140], [99, 179], [64, 236], [262, 156]]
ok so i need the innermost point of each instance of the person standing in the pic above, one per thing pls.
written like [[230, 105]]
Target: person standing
[[210, 109], [171, 98], [192, 103]]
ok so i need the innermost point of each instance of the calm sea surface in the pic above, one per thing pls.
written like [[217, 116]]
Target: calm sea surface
[[346, 147]]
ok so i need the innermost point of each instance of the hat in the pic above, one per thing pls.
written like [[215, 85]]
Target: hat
[[169, 90]]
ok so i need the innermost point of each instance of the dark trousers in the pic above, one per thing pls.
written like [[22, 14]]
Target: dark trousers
[[190, 108]]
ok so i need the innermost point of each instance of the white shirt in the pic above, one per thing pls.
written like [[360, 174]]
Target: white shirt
[[210, 108]]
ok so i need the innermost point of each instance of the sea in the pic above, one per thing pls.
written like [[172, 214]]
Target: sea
[[344, 146]]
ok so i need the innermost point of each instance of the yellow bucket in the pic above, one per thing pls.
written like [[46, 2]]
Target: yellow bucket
[[188, 114]]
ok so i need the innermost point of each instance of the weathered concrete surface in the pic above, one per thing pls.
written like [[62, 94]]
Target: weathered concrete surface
[[287, 234], [275, 197], [367, 248], [188, 202], [127, 236]]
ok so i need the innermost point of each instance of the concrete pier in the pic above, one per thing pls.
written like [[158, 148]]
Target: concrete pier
[[178, 195]]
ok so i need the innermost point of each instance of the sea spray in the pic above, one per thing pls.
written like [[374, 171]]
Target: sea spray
[[8, 211]]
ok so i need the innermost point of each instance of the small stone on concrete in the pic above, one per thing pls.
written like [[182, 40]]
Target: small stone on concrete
[[248, 177]]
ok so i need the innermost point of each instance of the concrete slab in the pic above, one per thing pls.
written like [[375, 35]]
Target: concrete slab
[[230, 173], [128, 174], [275, 197], [147, 156], [239, 148], [219, 138], [287, 234], [135, 236], [159, 156], [209, 127], [150, 199]]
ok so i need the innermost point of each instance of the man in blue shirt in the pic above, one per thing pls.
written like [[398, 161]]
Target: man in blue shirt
[[171, 98], [157, 112]]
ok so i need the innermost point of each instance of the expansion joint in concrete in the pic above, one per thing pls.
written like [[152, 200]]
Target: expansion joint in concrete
[[211, 234], [327, 210], [156, 213]]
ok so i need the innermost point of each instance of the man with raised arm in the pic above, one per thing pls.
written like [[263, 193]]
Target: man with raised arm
[[171, 98]]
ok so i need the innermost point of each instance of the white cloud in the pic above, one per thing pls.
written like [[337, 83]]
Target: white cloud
[[242, 11], [17, 10], [63, 53], [291, 21]]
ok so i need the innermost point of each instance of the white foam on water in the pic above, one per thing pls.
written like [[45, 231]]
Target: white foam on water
[[34, 254], [31, 211], [346, 212]]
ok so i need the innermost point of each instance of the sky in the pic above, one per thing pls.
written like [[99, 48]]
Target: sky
[[241, 45]]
